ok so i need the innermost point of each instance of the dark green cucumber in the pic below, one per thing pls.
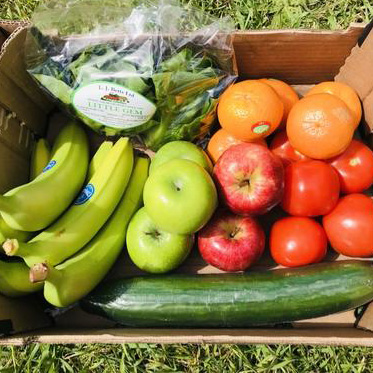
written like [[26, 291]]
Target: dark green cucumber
[[234, 300]]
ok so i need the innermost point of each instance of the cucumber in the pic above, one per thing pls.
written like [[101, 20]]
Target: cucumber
[[234, 300]]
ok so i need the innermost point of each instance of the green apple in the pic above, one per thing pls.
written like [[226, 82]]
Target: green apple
[[180, 196], [152, 249], [181, 150]]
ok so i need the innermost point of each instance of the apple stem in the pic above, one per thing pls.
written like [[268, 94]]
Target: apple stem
[[234, 233], [154, 234], [244, 183]]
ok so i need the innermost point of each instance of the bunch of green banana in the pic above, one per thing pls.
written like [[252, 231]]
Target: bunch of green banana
[[77, 226], [14, 279], [40, 157], [35, 205], [73, 279], [99, 157]]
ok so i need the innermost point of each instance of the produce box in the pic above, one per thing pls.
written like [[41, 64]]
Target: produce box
[[300, 57]]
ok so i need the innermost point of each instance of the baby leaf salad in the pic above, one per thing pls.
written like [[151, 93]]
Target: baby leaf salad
[[144, 75]]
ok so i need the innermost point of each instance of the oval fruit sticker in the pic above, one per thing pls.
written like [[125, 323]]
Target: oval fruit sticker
[[261, 127], [50, 165], [85, 195]]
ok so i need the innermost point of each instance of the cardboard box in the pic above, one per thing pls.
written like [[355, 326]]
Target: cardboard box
[[300, 57]]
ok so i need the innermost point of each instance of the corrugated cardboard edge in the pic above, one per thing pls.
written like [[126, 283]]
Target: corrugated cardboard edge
[[11, 25], [317, 336], [352, 28]]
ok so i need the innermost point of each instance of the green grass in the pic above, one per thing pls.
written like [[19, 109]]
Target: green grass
[[253, 14], [184, 358]]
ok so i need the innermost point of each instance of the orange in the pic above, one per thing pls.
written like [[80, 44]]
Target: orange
[[320, 126], [287, 95], [250, 110], [345, 93], [221, 141]]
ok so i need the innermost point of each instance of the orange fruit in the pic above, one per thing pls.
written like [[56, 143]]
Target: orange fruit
[[250, 110], [345, 93], [287, 95], [320, 126], [221, 141]]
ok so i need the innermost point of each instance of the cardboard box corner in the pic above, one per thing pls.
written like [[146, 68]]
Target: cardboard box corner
[[357, 73]]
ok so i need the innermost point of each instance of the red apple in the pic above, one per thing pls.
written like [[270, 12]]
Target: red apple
[[250, 179], [231, 242]]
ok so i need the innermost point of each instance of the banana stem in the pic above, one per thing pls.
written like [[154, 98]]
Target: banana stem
[[39, 272], [11, 246], [43, 271]]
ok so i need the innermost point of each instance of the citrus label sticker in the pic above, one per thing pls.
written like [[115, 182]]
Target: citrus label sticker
[[112, 105], [85, 195], [261, 127], [50, 165]]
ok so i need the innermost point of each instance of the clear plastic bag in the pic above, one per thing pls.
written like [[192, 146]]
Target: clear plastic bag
[[154, 70]]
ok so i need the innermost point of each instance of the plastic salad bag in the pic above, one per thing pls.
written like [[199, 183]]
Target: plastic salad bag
[[155, 69]]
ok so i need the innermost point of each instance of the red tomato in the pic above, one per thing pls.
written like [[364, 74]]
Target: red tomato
[[354, 167], [311, 188], [297, 241], [280, 146], [349, 226]]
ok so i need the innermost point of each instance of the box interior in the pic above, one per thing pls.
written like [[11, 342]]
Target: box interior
[[300, 57]]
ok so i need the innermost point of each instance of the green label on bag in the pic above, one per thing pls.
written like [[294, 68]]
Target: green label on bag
[[112, 105]]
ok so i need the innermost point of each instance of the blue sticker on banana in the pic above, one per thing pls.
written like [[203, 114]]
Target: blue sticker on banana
[[50, 165], [85, 195]]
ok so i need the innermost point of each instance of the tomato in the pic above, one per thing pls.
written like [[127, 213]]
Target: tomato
[[349, 226], [280, 146], [311, 188], [297, 241], [354, 167]]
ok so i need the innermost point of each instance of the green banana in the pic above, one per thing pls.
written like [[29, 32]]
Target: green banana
[[76, 277], [40, 157], [6, 232], [14, 279], [35, 205], [85, 217], [99, 157]]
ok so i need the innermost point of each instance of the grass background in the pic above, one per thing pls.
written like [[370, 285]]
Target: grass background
[[327, 14], [332, 14]]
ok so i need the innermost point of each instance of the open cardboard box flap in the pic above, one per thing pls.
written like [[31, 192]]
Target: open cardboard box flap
[[356, 72], [300, 57]]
